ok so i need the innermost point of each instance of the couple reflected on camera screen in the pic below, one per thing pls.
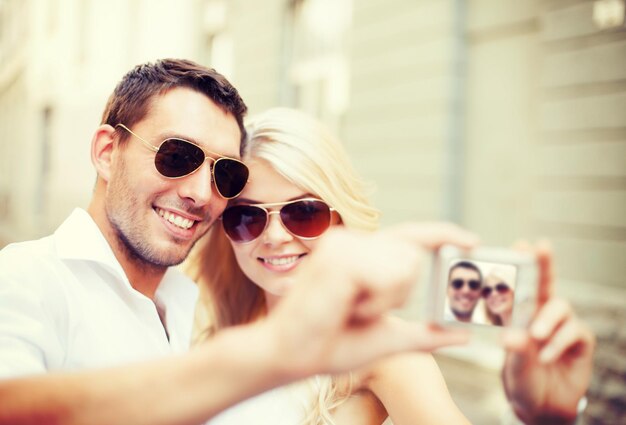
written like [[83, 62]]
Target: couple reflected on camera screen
[[467, 286]]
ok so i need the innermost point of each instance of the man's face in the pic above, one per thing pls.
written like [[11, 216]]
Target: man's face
[[158, 219], [463, 300]]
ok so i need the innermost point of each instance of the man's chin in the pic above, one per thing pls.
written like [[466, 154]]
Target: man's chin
[[170, 259], [464, 314], [465, 309], [166, 256]]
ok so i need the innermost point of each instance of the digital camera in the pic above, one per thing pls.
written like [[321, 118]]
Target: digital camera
[[485, 286]]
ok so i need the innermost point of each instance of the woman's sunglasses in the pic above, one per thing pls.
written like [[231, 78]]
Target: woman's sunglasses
[[304, 218], [501, 288], [176, 158], [473, 284]]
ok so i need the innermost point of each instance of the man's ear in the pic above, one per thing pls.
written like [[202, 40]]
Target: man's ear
[[102, 148]]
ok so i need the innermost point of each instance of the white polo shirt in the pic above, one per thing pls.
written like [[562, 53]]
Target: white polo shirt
[[66, 304]]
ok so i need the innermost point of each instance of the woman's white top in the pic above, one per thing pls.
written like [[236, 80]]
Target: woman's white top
[[286, 405]]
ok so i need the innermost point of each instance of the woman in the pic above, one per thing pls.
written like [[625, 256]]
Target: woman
[[301, 183], [498, 296]]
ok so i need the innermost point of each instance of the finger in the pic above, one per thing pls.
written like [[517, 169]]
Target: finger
[[515, 340], [564, 339], [435, 235], [545, 291], [386, 277], [549, 317], [371, 303]]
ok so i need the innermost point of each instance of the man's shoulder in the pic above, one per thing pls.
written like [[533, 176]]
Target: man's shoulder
[[27, 252], [23, 260], [38, 251], [31, 274]]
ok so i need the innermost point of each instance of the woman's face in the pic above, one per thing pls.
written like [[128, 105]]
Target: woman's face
[[270, 260], [499, 301]]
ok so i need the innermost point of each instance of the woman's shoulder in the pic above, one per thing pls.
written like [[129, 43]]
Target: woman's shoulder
[[378, 388], [284, 405], [362, 407], [396, 368], [411, 389]]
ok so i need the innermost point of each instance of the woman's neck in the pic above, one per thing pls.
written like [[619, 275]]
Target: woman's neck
[[271, 300]]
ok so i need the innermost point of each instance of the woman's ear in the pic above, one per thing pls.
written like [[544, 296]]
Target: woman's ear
[[102, 147]]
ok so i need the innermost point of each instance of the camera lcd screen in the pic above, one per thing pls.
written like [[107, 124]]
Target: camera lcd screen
[[487, 286], [480, 292]]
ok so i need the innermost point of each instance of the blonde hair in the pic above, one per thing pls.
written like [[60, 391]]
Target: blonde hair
[[304, 152], [504, 275]]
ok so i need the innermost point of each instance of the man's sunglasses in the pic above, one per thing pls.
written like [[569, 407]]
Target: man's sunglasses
[[473, 284], [304, 218], [176, 158], [501, 288]]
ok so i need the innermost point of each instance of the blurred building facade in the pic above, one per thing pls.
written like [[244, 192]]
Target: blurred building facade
[[507, 117]]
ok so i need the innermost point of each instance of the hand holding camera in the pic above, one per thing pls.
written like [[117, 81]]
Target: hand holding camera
[[549, 350]]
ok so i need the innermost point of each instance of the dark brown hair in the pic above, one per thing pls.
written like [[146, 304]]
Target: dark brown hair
[[131, 99], [467, 265]]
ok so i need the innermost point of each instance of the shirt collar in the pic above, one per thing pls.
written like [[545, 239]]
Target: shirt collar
[[80, 238]]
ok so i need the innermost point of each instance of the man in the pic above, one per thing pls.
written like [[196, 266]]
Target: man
[[464, 284], [94, 324]]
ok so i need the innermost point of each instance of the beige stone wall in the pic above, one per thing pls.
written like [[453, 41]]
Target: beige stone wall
[[580, 197], [579, 167], [501, 97], [258, 50], [397, 125]]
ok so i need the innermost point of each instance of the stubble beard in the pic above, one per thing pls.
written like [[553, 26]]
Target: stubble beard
[[463, 314], [131, 231]]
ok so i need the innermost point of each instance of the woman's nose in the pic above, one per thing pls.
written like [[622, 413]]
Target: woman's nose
[[275, 233]]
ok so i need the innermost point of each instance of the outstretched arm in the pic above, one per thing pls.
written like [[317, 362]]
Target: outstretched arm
[[181, 390], [332, 321]]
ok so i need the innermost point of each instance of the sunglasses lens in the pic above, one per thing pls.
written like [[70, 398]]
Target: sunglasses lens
[[177, 158], [306, 219], [502, 288], [486, 291], [457, 283], [474, 285], [244, 223], [230, 177]]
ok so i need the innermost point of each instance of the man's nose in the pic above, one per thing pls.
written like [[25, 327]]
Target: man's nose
[[198, 186]]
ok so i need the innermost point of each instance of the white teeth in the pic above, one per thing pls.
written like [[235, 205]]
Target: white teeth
[[176, 220], [283, 261]]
